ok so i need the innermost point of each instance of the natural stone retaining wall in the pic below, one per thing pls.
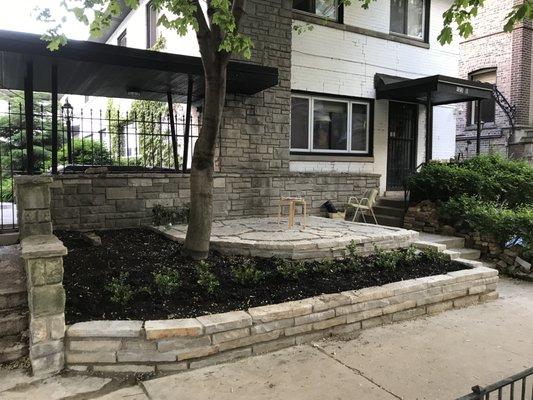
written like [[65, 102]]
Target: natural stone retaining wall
[[180, 344], [125, 200]]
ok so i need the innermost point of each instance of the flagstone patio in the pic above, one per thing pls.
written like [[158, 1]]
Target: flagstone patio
[[321, 238]]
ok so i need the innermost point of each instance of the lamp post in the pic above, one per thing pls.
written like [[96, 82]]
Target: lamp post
[[68, 113]]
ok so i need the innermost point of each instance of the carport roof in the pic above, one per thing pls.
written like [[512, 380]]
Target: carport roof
[[96, 69]]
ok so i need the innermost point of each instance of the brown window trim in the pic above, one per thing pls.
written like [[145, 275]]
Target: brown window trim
[[314, 19]]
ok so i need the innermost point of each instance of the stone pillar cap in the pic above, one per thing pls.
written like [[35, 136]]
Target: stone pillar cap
[[42, 246], [33, 179]]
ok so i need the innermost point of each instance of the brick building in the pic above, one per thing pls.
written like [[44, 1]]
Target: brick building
[[503, 59]]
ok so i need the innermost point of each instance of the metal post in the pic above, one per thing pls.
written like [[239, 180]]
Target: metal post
[[28, 106], [54, 119], [478, 122], [187, 124], [69, 139], [173, 130], [429, 128]]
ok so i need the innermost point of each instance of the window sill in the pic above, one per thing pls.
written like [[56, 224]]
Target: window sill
[[314, 19], [486, 126], [330, 157]]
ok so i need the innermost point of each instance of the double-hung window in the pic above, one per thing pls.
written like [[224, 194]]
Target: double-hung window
[[487, 106], [408, 17], [330, 9], [151, 25], [329, 125]]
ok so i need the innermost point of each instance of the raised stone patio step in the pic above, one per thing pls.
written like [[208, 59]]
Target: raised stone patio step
[[387, 210], [468, 254], [451, 242]]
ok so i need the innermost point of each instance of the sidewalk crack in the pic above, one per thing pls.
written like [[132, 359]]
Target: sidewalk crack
[[357, 371]]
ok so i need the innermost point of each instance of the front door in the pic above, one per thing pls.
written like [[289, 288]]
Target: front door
[[401, 159]]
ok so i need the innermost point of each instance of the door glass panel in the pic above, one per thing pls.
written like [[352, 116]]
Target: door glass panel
[[359, 127], [330, 125], [299, 123], [415, 18]]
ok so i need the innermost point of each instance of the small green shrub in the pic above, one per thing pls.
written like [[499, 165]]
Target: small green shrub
[[86, 152], [121, 291], [290, 269], [167, 280], [324, 267], [205, 278], [489, 177], [170, 215], [246, 273]]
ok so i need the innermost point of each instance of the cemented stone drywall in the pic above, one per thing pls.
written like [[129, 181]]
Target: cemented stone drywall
[[126, 200], [181, 344]]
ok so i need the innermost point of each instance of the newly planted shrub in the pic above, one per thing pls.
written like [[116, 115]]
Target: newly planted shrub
[[246, 273], [170, 215], [121, 291], [290, 269], [167, 280], [206, 279]]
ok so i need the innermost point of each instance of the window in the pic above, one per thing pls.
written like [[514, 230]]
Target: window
[[151, 25], [121, 40], [487, 106], [329, 125], [408, 17], [329, 9]]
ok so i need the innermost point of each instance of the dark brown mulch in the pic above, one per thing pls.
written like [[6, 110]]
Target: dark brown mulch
[[139, 253]]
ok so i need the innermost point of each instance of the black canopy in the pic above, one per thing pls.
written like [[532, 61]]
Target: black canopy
[[441, 89], [96, 69]]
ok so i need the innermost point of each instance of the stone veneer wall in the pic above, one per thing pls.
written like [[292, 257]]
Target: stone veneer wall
[[181, 344], [109, 201]]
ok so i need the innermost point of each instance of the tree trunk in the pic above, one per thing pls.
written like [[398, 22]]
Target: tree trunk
[[203, 161]]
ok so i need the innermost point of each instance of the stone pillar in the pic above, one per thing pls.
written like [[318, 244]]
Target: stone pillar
[[43, 261], [33, 204]]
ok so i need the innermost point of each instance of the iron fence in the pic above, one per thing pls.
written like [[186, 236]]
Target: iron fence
[[519, 386], [121, 141]]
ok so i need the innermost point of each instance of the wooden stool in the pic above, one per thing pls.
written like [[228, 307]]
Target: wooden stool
[[292, 202]]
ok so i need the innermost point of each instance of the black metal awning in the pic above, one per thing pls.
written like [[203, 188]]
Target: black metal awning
[[96, 69], [438, 89]]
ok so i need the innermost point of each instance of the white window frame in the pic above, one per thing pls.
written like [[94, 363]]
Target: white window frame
[[311, 125], [424, 12]]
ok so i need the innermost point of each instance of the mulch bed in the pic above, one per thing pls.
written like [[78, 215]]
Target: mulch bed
[[138, 254]]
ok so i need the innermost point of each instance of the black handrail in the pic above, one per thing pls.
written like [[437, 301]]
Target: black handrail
[[483, 393]]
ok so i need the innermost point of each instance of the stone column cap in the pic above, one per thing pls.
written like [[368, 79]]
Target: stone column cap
[[33, 179], [42, 246]]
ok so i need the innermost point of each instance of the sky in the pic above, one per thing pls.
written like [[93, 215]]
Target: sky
[[19, 15]]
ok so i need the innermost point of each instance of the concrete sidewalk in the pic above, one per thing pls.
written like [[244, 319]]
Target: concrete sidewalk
[[437, 357]]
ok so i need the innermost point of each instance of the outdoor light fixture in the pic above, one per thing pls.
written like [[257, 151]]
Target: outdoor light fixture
[[67, 108], [68, 112]]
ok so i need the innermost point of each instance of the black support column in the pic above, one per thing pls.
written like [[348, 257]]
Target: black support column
[[54, 119], [28, 110], [173, 131], [429, 128], [187, 124], [478, 123]]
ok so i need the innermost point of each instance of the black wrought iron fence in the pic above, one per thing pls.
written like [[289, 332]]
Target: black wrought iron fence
[[122, 141], [519, 386]]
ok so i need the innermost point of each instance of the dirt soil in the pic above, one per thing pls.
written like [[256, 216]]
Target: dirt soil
[[137, 254]]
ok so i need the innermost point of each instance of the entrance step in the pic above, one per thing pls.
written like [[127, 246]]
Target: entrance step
[[451, 242], [389, 202], [13, 323], [390, 211]]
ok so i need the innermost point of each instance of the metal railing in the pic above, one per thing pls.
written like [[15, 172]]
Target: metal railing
[[519, 386], [121, 141]]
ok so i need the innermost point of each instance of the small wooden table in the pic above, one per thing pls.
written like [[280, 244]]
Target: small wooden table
[[292, 202]]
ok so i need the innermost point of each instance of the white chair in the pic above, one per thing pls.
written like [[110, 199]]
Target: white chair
[[366, 203]]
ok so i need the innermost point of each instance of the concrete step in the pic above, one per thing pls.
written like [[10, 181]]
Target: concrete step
[[468, 254], [390, 202], [391, 211], [386, 220], [13, 323], [13, 347], [451, 242]]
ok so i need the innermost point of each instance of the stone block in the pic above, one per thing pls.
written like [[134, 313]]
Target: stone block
[[477, 289], [47, 365], [408, 314], [125, 368], [145, 356], [439, 307], [286, 310], [222, 358], [376, 321], [298, 330], [132, 344], [274, 345], [350, 309], [173, 328], [226, 336], [46, 300], [225, 321], [249, 340], [466, 301], [42, 246], [362, 315], [272, 326], [173, 367], [95, 345], [180, 343], [330, 301], [106, 329], [317, 316], [198, 352], [46, 348], [56, 326], [370, 293], [488, 296], [118, 193], [100, 357], [394, 308], [329, 323]]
